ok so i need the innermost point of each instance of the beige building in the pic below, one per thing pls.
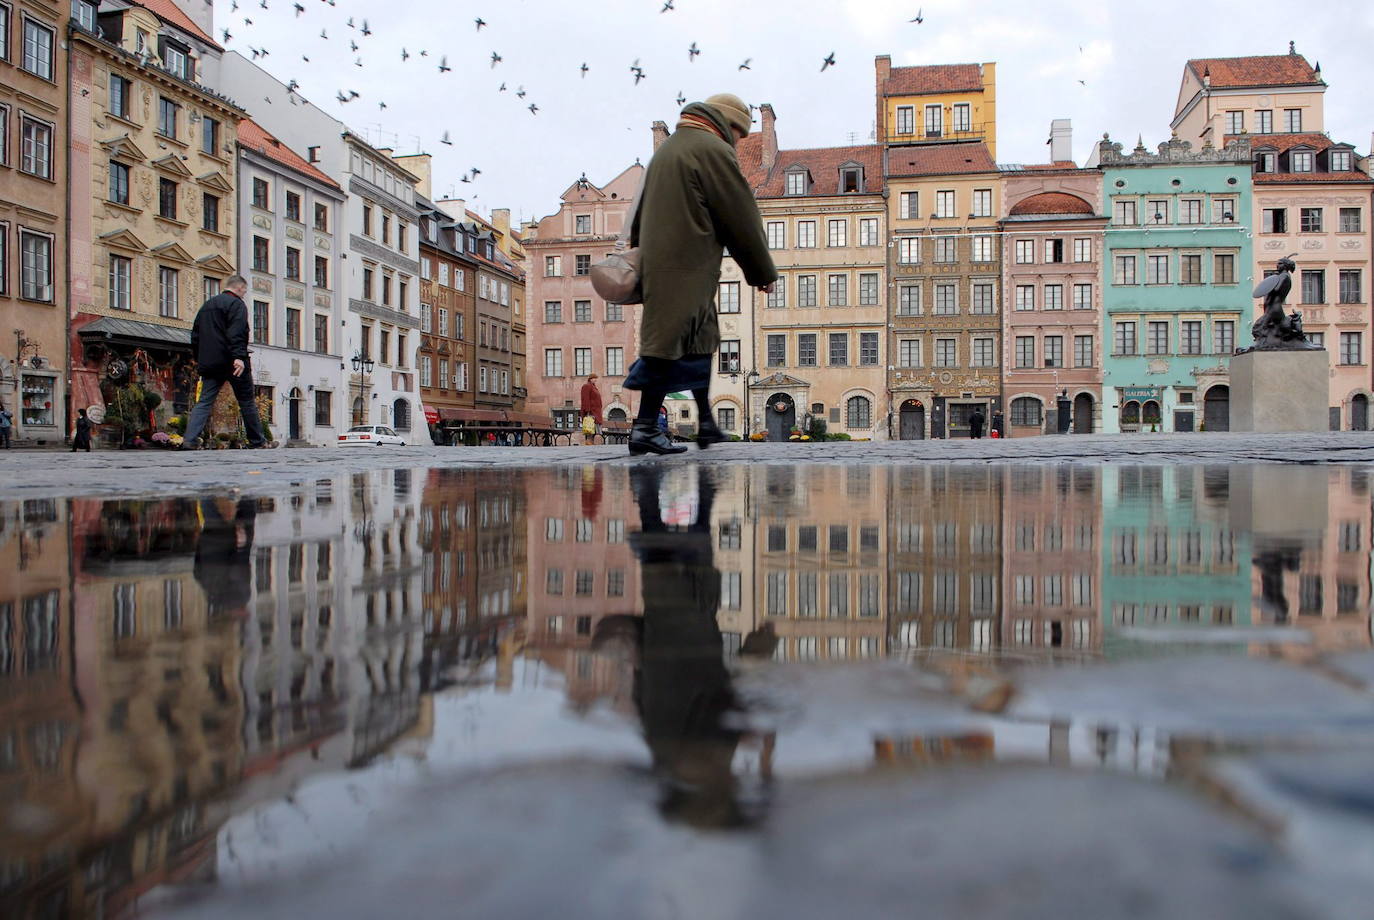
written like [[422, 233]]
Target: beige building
[[152, 203], [819, 337], [33, 209], [1258, 94]]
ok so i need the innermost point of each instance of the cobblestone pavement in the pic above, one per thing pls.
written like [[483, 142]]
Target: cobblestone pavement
[[47, 473]]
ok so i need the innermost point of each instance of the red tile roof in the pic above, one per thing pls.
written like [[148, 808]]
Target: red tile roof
[[1260, 70], [170, 13], [750, 153], [1057, 164], [940, 160], [253, 136], [933, 78], [1282, 142], [1052, 203], [1354, 177], [824, 166]]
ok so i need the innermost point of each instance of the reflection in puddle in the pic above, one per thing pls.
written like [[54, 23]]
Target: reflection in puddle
[[166, 666]]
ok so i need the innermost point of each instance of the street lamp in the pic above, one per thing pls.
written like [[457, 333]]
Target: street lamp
[[362, 364]]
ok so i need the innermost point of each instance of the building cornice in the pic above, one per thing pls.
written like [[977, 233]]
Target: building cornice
[[202, 94], [360, 186], [385, 314], [276, 166], [381, 254]]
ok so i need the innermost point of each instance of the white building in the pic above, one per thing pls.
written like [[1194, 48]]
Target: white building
[[379, 280], [291, 256]]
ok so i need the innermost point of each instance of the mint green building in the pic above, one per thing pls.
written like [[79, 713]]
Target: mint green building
[[1177, 276]]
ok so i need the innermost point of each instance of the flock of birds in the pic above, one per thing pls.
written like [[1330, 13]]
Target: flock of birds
[[364, 31]]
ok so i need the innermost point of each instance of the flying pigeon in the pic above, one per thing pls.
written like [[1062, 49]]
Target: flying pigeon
[[534, 109], [234, 6], [352, 94], [476, 172], [262, 3], [381, 105], [305, 58], [668, 5], [299, 9], [501, 88], [341, 97], [480, 22], [226, 36], [584, 68], [405, 55], [828, 62], [681, 99], [352, 45], [445, 140], [464, 179], [443, 64], [247, 21], [358, 62], [365, 29], [495, 59], [350, 23], [292, 86], [323, 35], [745, 65], [920, 16], [692, 53], [639, 75]]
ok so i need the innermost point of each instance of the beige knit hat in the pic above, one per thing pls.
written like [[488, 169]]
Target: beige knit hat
[[734, 110]]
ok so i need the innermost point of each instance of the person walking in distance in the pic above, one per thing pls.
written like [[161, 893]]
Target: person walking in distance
[[82, 439], [975, 423], [219, 343], [6, 427], [591, 408], [695, 204]]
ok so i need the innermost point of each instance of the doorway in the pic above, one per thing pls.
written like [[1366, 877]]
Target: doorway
[[293, 414], [1216, 408], [780, 417], [1083, 414], [1359, 413], [912, 421]]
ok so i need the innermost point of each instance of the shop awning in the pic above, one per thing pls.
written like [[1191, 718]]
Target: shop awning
[[431, 414], [131, 331], [472, 415]]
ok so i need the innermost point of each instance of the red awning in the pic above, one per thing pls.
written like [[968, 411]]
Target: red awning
[[431, 414], [472, 415]]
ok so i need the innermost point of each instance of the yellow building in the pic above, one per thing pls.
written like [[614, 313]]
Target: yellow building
[[940, 103], [152, 201], [820, 336]]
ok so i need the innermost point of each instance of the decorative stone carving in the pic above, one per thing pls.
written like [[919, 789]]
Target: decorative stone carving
[[262, 285], [1349, 245], [1274, 245], [147, 104], [321, 300], [145, 187], [1311, 245], [294, 293], [295, 233], [1157, 366], [322, 242], [1350, 315], [1174, 150], [262, 222]]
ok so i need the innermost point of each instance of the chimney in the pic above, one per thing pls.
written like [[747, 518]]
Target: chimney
[[660, 130], [457, 208], [419, 165], [1061, 140], [882, 66], [769, 133]]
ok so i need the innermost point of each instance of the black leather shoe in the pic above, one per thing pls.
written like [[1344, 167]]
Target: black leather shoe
[[708, 433], [647, 439]]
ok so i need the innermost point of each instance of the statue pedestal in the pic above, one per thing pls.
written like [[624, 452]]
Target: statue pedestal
[[1280, 391]]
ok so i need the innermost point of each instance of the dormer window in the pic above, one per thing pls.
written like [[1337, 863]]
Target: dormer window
[[1339, 161], [1264, 163], [1300, 161], [851, 179], [584, 223], [796, 182], [176, 58], [84, 12]]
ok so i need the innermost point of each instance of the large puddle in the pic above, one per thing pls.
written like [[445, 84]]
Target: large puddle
[[638, 691]]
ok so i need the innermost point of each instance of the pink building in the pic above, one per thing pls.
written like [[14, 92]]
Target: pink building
[[572, 332], [1051, 293]]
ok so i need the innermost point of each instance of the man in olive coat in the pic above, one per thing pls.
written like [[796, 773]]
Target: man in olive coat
[[695, 205]]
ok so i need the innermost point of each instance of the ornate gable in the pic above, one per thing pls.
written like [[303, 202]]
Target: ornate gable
[[172, 164], [123, 239], [215, 181], [215, 263], [171, 252], [123, 148]]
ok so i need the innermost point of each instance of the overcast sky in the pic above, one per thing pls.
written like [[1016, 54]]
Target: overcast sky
[[1131, 57]]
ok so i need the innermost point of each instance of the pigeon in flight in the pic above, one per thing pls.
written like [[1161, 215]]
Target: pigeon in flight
[[323, 35], [405, 55], [681, 99], [692, 53], [480, 22], [381, 105], [226, 36], [495, 59], [745, 65], [534, 109], [299, 9], [267, 99], [443, 64], [352, 45], [584, 68], [350, 23], [365, 29], [424, 53], [234, 6], [247, 21], [828, 62], [476, 172], [341, 97], [352, 94], [639, 75], [464, 179], [501, 88], [920, 16], [520, 92], [293, 86], [358, 62], [445, 140], [667, 5], [262, 3], [305, 58]]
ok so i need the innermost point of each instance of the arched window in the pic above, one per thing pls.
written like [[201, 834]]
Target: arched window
[[616, 415], [400, 415], [1026, 410], [858, 412], [1130, 413], [1150, 413]]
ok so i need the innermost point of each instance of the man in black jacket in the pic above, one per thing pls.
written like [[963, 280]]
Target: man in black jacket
[[219, 343]]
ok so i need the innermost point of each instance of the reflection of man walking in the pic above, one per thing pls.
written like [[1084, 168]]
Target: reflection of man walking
[[219, 344]]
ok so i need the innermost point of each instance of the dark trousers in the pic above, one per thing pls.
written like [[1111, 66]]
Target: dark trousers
[[242, 386]]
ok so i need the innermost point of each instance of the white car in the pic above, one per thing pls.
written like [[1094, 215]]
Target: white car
[[369, 436]]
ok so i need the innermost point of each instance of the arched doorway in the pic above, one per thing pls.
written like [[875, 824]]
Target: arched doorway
[[780, 416], [1216, 408], [293, 414], [400, 415], [1150, 416], [1130, 416], [1359, 413], [912, 423], [1083, 413], [358, 418], [617, 417]]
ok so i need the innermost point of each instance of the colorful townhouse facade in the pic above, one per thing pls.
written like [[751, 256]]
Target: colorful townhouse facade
[[1051, 276], [33, 214], [447, 313], [290, 255], [153, 208], [1175, 290], [821, 333]]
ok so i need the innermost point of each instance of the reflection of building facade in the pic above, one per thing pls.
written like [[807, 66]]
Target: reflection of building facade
[[1052, 278], [1051, 565], [944, 557]]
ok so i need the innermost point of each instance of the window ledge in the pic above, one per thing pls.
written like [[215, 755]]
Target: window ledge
[[127, 208], [173, 140], [215, 233], [171, 220]]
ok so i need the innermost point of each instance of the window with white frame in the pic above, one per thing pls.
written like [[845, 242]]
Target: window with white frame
[[553, 362], [1025, 351], [775, 350], [909, 300], [1124, 212], [806, 291], [615, 361], [1054, 297], [168, 288], [1083, 249], [1190, 337], [1310, 220], [777, 234], [1156, 269], [1157, 338], [35, 147], [935, 120], [1190, 268], [35, 266], [909, 206], [1082, 296], [1264, 121], [945, 204], [1025, 252], [1223, 210], [983, 351], [946, 249], [1338, 160], [38, 46], [963, 116], [1352, 348], [553, 266], [777, 298], [1125, 342], [806, 234], [795, 183], [906, 119], [1025, 297], [582, 223], [1300, 161], [1054, 351], [868, 289], [868, 231], [582, 362], [946, 352], [837, 290], [1224, 337], [1351, 220], [837, 233], [121, 274], [426, 371], [1190, 211], [1235, 121], [983, 295], [1083, 351], [909, 250], [982, 248], [553, 311], [946, 299], [908, 352], [727, 297], [1292, 121], [806, 349], [1124, 269]]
